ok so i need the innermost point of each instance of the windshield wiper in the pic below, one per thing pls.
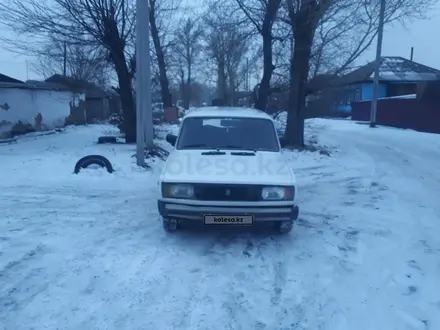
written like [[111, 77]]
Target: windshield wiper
[[237, 148], [243, 153], [217, 150], [214, 152], [196, 145]]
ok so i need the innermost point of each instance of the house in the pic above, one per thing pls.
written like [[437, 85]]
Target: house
[[420, 111], [7, 79], [36, 107], [99, 103], [397, 76]]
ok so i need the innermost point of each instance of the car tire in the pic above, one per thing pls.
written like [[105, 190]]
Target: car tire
[[93, 160], [170, 225], [283, 227]]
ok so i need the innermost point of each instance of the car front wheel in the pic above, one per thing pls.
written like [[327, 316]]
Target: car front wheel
[[170, 225], [283, 227]]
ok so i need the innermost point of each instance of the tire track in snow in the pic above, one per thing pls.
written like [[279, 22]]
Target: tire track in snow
[[271, 275], [354, 193], [400, 228], [191, 296], [23, 279], [330, 228], [237, 284], [81, 267], [279, 280], [291, 291], [226, 246]]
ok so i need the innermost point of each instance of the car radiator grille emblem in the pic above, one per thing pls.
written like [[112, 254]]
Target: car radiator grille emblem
[[228, 192]]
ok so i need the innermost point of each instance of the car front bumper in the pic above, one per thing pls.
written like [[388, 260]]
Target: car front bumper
[[262, 212]]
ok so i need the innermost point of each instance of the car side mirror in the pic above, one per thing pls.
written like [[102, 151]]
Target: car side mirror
[[283, 142], [171, 139]]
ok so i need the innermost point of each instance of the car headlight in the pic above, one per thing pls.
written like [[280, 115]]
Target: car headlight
[[278, 193], [177, 190]]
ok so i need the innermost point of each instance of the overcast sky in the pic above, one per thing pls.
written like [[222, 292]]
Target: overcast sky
[[397, 41]]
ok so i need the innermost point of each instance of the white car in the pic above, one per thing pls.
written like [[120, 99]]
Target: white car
[[227, 168]]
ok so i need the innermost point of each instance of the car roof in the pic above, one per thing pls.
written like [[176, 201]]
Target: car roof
[[227, 112]]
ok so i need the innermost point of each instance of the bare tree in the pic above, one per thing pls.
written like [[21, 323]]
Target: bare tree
[[74, 60], [162, 12], [339, 18], [237, 62], [348, 28], [187, 48], [244, 66], [227, 41], [96, 23], [178, 76], [262, 14]]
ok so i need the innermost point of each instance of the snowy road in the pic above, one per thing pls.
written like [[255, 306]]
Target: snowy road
[[89, 252]]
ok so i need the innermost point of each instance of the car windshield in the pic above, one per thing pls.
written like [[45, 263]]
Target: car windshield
[[228, 133]]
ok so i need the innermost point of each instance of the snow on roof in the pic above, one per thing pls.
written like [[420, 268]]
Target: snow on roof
[[227, 112], [394, 69], [401, 69], [408, 96]]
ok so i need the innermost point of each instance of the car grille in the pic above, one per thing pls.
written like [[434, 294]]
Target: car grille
[[222, 192]]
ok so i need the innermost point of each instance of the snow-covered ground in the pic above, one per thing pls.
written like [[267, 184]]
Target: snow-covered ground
[[88, 251]]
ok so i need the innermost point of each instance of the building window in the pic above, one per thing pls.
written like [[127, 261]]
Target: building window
[[349, 96], [357, 95]]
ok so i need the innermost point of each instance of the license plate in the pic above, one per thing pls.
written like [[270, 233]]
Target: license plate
[[211, 219]]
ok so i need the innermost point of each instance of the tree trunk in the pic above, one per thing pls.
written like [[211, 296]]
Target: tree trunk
[[187, 96], [182, 84], [163, 79], [221, 82], [126, 95], [116, 45], [268, 67], [232, 83], [299, 71], [128, 107]]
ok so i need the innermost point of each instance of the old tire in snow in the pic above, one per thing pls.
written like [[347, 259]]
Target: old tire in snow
[[107, 139], [93, 160]]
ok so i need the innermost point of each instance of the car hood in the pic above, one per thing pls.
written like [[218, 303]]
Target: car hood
[[268, 168]]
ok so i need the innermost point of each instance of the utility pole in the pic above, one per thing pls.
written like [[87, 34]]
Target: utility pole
[[148, 109], [142, 50], [377, 64], [65, 59]]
